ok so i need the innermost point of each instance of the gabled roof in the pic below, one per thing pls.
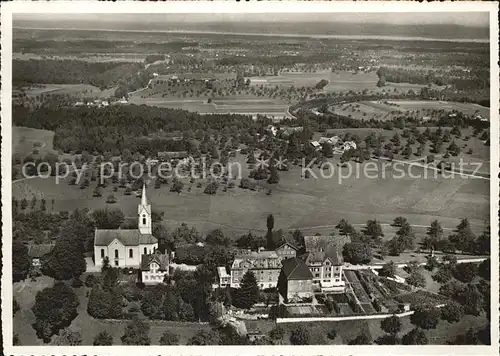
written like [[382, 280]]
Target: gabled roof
[[161, 259], [126, 237], [319, 248], [38, 251], [295, 269], [256, 260], [283, 242]]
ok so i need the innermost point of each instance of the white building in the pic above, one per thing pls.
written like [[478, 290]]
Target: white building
[[154, 268], [125, 247]]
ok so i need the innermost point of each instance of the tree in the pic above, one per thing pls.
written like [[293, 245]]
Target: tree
[[15, 307], [471, 299], [177, 186], [136, 333], [211, 188], [248, 294], [415, 336], [484, 269], [21, 262], [68, 338], [108, 218], [388, 269], [111, 199], [300, 335], [274, 177], [217, 237], [399, 221], [169, 338], [103, 339], [357, 253], [388, 339], [465, 272], [277, 333], [362, 339], [270, 222], [452, 312], [373, 229], [54, 309], [391, 325], [65, 261], [425, 317], [416, 279], [205, 337]]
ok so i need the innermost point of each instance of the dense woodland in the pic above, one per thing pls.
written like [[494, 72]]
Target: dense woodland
[[101, 74]]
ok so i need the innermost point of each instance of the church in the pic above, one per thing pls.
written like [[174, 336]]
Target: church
[[125, 247]]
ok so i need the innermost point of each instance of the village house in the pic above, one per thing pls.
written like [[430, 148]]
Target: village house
[[36, 252], [124, 247], [323, 257], [265, 265], [154, 268], [295, 282], [170, 155], [224, 279], [285, 249]]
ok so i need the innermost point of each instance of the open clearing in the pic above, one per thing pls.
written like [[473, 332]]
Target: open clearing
[[75, 90], [24, 139]]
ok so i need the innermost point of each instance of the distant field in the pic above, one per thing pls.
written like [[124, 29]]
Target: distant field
[[76, 90], [234, 105], [381, 111]]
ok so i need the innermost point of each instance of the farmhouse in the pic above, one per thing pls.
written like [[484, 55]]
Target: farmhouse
[[324, 260], [265, 265], [124, 247], [154, 268], [349, 145], [295, 281]]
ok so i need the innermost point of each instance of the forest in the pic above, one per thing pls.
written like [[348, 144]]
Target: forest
[[50, 71]]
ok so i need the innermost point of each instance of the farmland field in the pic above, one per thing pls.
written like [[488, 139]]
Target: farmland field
[[75, 90], [387, 111]]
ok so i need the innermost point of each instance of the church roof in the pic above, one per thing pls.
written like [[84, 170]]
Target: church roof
[[126, 237]]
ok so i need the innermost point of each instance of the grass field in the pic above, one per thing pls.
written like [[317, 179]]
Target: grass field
[[24, 139], [312, 205], [89, 57], [74, 90], [379, 110]]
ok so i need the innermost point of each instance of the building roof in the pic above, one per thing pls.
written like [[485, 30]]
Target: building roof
[[126, 237], [38, 251], [295, 269], [257, 260], [282, 242], [319, 248], [221, 271], [161, 259]]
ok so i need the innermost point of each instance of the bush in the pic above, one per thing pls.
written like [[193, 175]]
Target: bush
[[211, 188]]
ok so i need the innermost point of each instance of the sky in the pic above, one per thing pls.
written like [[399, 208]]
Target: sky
[[474, 19]]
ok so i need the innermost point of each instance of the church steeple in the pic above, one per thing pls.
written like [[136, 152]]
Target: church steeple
[[144, 212]]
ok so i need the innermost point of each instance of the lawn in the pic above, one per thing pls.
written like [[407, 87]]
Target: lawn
[[75, 90], [24, 139]]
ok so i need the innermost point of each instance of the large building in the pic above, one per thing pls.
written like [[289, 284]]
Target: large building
[[125, 247], [265, 265], [295, 282], [323, 257]]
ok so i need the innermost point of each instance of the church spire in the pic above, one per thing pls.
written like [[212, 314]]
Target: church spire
[[144, 201]]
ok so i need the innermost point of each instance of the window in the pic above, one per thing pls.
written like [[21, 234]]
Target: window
[[131, 253], [116, 253], [145, 250], [261, 285], [316, 275], [116, 263], [146, 278], [144, 220], [102, 253]]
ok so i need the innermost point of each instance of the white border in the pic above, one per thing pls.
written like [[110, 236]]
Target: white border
[[7, 9]]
